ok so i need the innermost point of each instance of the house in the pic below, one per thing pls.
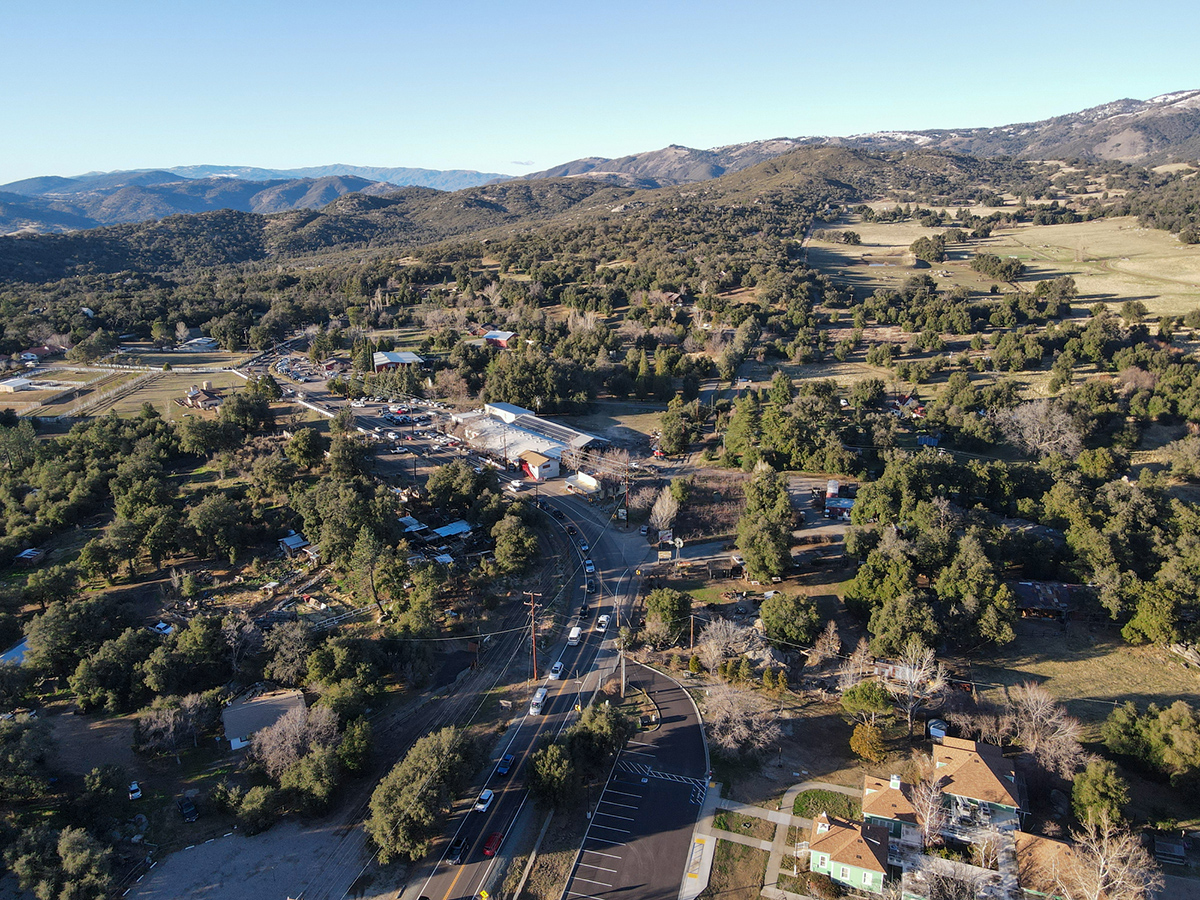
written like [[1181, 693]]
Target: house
[[537, 466], [838, 508], [292, 544], [384, 360], [37, 354], [500, 339], [258, 711], [888, 804], [850, 853], [1039, 860], [12, 385], [454, 529], [507, 413], [29, 558], [1044, 599], [412, 525], [199, 345], [977, 780], [203, 397]]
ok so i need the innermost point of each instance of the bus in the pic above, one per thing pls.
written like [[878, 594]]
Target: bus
[[535, 705], [573, 637]]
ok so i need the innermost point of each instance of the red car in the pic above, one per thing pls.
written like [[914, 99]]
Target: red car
[[493, 843]]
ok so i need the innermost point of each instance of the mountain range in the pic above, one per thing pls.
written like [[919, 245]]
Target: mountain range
[[1145, 132]]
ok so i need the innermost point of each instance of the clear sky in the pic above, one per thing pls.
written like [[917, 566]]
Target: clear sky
[[514, 86]]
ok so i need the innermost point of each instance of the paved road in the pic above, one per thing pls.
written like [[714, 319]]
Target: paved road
[[639, 841]]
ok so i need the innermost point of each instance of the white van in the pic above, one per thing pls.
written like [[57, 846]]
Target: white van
[[535, 705], [573, 637]]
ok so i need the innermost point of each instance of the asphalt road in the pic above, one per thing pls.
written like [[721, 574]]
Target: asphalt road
[[640, 836]]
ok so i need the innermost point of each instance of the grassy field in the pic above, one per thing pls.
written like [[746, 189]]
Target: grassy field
[[162, 392], [750, 826], [810, 804], [1089, 668], [156, 360], [737, 872], [1112, 260]]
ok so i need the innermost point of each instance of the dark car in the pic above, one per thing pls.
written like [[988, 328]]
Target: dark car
[[584, 611], [558, 514], [591, 586], [506, 764], [572, 530], [457, 852], [187, 809], [493, 843]]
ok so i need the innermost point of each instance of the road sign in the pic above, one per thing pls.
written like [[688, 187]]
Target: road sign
[[622, 514]]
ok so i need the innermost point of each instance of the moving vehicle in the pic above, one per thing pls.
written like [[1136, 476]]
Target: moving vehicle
[[493, 843], [506, 764], [573, 637], [591, 586], [602, 623], [572, 530], [538, 701], [485, 800], [457, 852], [556, 671], [589, 567], [583, 547]]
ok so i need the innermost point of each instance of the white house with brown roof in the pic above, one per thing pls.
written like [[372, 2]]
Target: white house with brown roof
[[850, 853]]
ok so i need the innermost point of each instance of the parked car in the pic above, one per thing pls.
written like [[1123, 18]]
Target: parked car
[[135, 791], [556, 671], [644, 530], [493, 843], [506, 764], [484, 801], [457, 852], [187, 809]]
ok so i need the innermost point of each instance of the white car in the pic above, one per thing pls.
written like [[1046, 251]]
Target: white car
[[602, 623], [484, 801], [583, 546], [589, 567], [556, 671]]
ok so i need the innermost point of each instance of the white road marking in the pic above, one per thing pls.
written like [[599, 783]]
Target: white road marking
[[622, 805], [584, 865], [610, 828], [609, 855], [613, 816], [592, 881]]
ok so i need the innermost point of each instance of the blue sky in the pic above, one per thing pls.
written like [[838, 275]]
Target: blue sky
[[517, 86]]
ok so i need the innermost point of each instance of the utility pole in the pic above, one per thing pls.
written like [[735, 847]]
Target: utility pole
[[691, 630], [532, 604]]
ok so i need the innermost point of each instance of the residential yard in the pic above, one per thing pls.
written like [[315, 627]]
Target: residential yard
[[738, 872], [162, 392], [810, 804]]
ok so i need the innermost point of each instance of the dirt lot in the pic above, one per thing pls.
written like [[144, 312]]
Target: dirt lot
[[737, 872]]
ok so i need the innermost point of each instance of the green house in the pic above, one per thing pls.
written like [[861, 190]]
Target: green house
[[850, 853]]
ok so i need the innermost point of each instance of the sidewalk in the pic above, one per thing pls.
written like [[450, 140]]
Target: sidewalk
[[706, 835]]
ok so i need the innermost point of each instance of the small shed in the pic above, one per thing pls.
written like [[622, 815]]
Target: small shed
[[12, 385], [500, 338], [243, 717], [30, 558]]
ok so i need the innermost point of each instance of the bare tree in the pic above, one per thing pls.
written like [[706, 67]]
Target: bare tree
[[857, 666], [1042, 427], [242, 636], [159, 730], [289, 646], [292, 737], [657, 633], [739, 722], [1107, 863], [642, 498], [926, 799], [723, 639], [665, 508], [828, 645], [918, 679], [1045, 731]]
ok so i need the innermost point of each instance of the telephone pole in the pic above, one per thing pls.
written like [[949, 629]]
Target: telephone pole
[[532, 604]]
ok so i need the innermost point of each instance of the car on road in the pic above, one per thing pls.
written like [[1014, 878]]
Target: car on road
[[644, 530], [506, 764], [572, 530], [187, 809], [485, 801], [602, 623], [558, 514], [583, 547], [135, 791], [556, 671], [584, 611], [493, 843], [589, 567], [392, 436], [457, 852], [591, 585]]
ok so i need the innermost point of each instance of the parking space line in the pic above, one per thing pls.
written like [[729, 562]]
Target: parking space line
[[598, 853], [615, 803], [640, 743], [640, 753], [613, 816], [579, 877], [624, 794], [584, 865], [587, 896], [610, 828]]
